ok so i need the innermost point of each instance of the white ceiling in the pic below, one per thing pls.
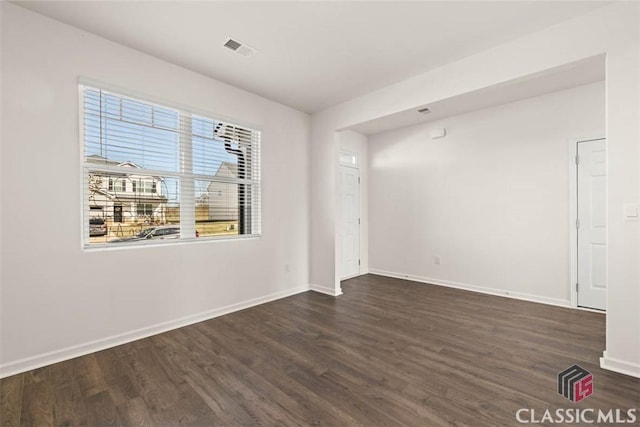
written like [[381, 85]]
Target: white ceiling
[[311, 55]]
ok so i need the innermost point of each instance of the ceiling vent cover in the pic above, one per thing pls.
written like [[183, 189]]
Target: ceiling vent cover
[[239, 47], [424, 110]]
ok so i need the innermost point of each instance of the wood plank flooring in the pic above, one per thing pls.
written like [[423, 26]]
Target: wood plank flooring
[[387, 352]]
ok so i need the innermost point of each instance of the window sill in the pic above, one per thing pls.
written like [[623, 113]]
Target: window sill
[[106, 247]]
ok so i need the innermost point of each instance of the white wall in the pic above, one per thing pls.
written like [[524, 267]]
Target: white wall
[[610, 30], [355, 142], [57, 301], [491, 199]]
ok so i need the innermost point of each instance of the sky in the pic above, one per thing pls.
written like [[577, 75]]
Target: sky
[[127, 130]]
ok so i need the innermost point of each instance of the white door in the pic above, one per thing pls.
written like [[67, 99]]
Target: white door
[[350, 189], [592, 224]]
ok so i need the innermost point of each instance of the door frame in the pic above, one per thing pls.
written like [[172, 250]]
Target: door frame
[[355, 165], [118, 207], [573, 218]]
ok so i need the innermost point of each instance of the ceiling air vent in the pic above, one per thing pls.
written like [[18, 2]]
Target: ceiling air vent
[[239, 47], [424, 110]]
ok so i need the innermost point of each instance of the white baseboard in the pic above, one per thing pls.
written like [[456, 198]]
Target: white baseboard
[[361, 273], [325, 290], [474, 288], [38, 361], [619, 366]]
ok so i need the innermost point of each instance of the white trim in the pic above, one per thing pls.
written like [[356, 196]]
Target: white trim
[[38, 361], [103, 247], [325, 290], [353, 275], [475, 288], [84, 238], [573, 216], [355, 167], [619, 366]]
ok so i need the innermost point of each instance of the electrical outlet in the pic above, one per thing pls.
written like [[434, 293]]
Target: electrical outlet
[[436, 259]]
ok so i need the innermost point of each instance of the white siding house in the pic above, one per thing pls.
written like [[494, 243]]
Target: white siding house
[[223, 196], [126, 197]]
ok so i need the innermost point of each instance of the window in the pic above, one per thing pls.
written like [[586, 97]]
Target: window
[[197, 174], [144, 209], [147, 187], [348, 159]]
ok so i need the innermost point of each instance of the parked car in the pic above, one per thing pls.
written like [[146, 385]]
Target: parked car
[[97, 227], [160, 232]]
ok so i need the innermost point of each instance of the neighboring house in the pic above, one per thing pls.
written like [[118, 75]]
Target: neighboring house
[[222, 196], [126, 197]]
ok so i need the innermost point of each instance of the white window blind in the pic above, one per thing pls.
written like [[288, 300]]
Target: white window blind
[[149, 168]]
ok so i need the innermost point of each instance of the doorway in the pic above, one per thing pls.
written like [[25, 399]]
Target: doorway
[[117, 213], [591, 224], [350, 218]]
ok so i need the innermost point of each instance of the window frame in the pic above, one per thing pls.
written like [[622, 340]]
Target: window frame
[[144, 209], [85, 168]]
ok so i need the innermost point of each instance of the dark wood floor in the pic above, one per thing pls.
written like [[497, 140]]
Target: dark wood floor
[[387, 352]]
